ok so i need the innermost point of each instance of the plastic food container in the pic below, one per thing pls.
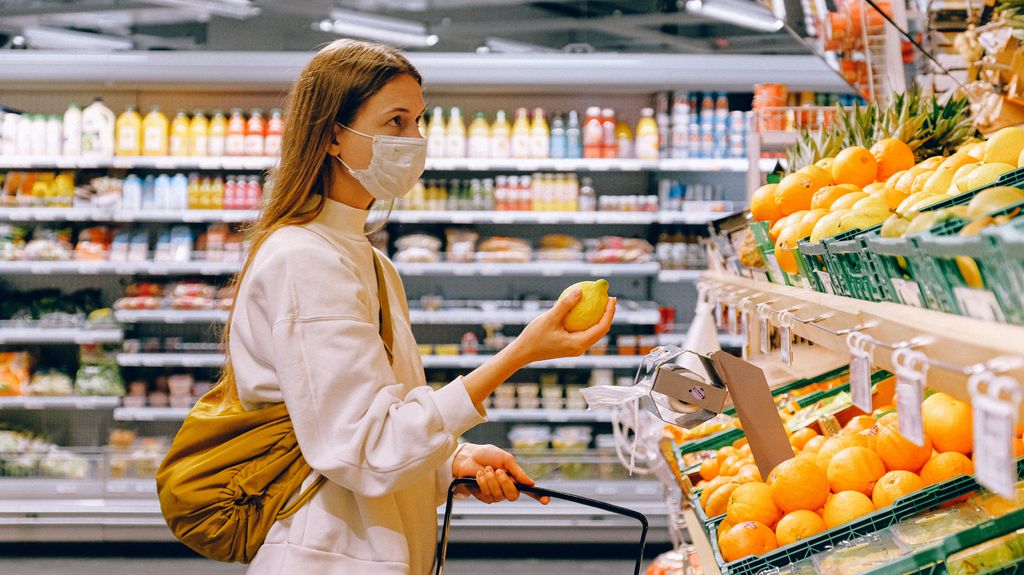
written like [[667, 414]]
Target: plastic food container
[[505, 397], [552, 396], [573, 397], [934, 526], [995, 506], [530, 438], [528, 395], [989, 556], [860, 555], [571, 443], [599, 348], [627, 344]]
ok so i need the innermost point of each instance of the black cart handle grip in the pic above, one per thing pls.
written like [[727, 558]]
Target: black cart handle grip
[[540, 492]]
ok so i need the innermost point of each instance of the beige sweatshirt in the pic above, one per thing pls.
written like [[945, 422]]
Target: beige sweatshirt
[[305, 331]]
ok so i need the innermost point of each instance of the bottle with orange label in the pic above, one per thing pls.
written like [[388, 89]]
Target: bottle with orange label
[[129, 133], [217, 135], [593, 133], [234, 141], [198, 135], [540, 136], [275, 130], [255, 132], [609, 145], [180, 129], [154, 133]]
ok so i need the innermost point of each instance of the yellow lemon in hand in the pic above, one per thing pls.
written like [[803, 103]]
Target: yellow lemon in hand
[[590, 309]]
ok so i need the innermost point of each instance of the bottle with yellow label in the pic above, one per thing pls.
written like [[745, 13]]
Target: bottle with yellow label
[[198, 135], [154, 133], [129, 133], [521, 135], [540, 136], [180, 129], [479, 143], [501, 137]]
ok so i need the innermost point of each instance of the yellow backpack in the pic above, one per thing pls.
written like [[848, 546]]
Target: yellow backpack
[[230, 473]]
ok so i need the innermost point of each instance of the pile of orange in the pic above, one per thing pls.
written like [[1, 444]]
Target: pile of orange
[[832, 480]]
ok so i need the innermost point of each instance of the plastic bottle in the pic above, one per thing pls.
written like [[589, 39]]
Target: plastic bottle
[[231, 200], [9, 134], [593, 134], [205, 201], [53, 135], [199, 135], [131, 193], [129, 133], [178, 144], [23, 136], [218, 131], [455, 135], [721, 107], [521, 135], [149, 193], [680, 130], [217, 193], [587, 196], [647, 136], [609, 147], [573, 137], [72, 145], [193, 191], [179, 192], [97, 130], [623, 140], [479, 143], [436, 134], [275, 130], [501, 137], [540, 135], [559, 145], [154, 133], [255, 132], [38, 135], [162, 192], [234, 142], [487, 195]]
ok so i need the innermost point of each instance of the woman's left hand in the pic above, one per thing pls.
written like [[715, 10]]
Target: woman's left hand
[[495, 470]]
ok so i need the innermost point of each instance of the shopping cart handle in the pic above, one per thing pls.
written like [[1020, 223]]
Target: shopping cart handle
[[540, 492]]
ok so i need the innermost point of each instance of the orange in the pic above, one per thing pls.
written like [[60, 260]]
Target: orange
[[846, 202], [795, 191], [858, 424], [753, 502], [846, 506], [834, 445], [719, 500], [896, 451], [781, 224], [822, 176], [745, 539], [871, 434], [894, 485], [785, 246], [798, 525], [710, 488], [800, 438], [855, 165], [748, 473], [855, 469], [728, 467], [946, 466], [893, 197], [892, 156], [814, 444], [810, 218], [825, 163], [824, 197], [709, 468], [948, 421], [762, 204], [798, 484]]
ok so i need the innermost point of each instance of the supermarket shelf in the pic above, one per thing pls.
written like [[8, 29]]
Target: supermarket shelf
[[170, 359], [953, 351], [68, 402], [776, 141], [583, 362], [549, 415], [170, 316], [476, 316], [100, 215], [150, 413], [549, 269], [679, 276], [247, 163], [57, 335], [119, 268]]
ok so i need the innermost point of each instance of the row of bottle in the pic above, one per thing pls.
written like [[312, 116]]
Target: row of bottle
[[95, 132], [539, 192], [678, 252], [179, 192], [672, 194], [700, 127]]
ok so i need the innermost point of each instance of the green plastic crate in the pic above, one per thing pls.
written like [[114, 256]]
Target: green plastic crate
[[767, 247], [1007, 279], [857, 272], [811, 260]]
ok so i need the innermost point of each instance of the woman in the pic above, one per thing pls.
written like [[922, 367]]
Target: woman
[[305, 331]]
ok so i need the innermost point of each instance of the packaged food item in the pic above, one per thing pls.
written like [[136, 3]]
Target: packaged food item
[[417, 248], [48, 245], [528, 395], [94, 244], [461, 245], [934, 526], [859, 555], [505, 396], [504, 250], [614, 249], [530, 438], [448, 349], [989, 556], [50, 382], [98, 372], [15, 367], [996, 506]]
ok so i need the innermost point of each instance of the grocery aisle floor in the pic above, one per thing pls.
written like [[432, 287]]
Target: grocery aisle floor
[[135, 566]]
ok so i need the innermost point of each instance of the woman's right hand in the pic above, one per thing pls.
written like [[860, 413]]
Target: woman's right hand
[[546, 337]]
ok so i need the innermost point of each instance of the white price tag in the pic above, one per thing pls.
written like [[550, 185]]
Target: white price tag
[[979, 303], [773, 265], [764, 329], [786, 337], [908, 291], [733, 319], [826, 281], [719, 313], [911, 374], [745, 308], [860, 371], [995, 410]]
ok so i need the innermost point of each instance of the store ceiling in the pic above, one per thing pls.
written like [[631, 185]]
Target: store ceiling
[[631, 26]]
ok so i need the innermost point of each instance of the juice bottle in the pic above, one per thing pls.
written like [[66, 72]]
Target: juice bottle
[[479, 137], [558, 147], [540, 135], [97, 130], [205, 190], [193, 191], [218, 131], [573, 137], [521, 135], [455, 135], [154, 133], [275, 130], [647, 136], [609, 147], [217, 194], [623, 140], [436, 134], [501, 137], [255, 132], [231, 195], [593, 133], [199, 135], [72, 131], [234, 142], [129, 133], [179, 134]]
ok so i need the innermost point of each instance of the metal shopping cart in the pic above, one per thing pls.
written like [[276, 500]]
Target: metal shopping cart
[[540, 492]]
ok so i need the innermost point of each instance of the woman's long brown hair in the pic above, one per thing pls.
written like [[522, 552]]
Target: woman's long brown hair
[[331, 88]]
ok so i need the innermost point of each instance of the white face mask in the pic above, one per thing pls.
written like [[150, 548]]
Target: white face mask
[[397, 163]]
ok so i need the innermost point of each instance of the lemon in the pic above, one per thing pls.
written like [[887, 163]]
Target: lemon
[[983, 174], [590, 309], [1004, 146], [992, 199]]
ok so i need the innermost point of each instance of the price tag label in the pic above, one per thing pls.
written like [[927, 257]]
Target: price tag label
[[744, 333], [826, 282], [860, 371], [829, 425], [908, 291], [979, 303], [911, 374], [773, 265], [786, 345], [996, 404], [764, 329]]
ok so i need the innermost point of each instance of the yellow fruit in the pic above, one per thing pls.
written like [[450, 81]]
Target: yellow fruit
[[926, 220], [847, 200], [873, 187], [891, 182], [1020, 159], [855, 165], [894, 485], [940, 182], [834, 445], [975, 150], [798, 525], [795, 191], [1004, 146], [921, 180], [949, 422], [719, 500], [825, 164], [825, 196], [709, 468], [861, 220], [814, 444], [747, 538], [992, 199], [749, 472], [898, 452], [855, 469], [798, 484], [895, 226], [859, 423], [932, 162], [970, 271], [846, 506], [906, 206], [591, 307], [873, 205], [962, 171], [946, 466], [982, 175], [907, 179], [822, 176], [708, 490], [762, 204], [891, 196], [892, 156], [781, 224], [810, 218], [827, 226], [753, 502], [954, 162]]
